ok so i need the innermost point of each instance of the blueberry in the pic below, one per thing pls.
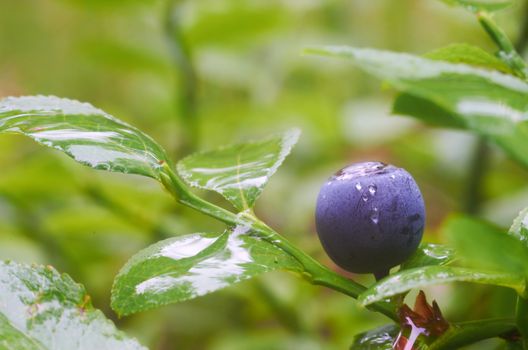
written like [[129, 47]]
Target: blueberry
[[370, 217]]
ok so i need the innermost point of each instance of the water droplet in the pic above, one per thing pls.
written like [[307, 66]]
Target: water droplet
[[372, 189], [362, 169], [358, 186], [393, 176], [374, 216], [364, 197]]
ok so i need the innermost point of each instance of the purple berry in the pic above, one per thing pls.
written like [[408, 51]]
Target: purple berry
[[370, 217]]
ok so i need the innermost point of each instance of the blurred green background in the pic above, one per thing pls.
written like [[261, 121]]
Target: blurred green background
[[199, 74]]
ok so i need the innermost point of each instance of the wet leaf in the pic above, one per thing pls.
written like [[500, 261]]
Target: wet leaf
[[238, 172], [426, 110], [519, 228], [487, 102], [10, 337], [468, 54], [384, 338], [43, 310], [421, 277], [481, 5], [380, 338], [467, 333], [430, 254], [484, 246], [85, 133], [189, 266]]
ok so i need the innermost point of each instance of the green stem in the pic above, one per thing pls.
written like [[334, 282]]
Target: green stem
[[477, 171], [522, 40], [466, 333], [507, 51], [286, 314], [181, 193], [186, 85], [318, 274], [314, 271], [521, 318]]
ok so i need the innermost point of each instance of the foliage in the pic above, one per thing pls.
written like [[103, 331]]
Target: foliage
[[41, 309], [459, 86]]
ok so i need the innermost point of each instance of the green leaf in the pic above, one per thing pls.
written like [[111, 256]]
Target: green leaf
[[85, 133], [43, 310], [430, 254], [519, 228], [481, 5], [421, 277], [380, 338], [406, 104], [10, 337], [222, 28], [468, 54], [490, 103], [238, 172], [189, 266], [426, 110], [485, 246], [466, 333]]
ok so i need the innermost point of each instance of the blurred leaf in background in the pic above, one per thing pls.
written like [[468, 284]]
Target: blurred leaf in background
[[250, 81]]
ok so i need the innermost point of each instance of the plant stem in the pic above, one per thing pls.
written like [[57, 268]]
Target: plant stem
[[466, 333], [186, 84], [314, 271], [470, 332], [507, 51], [477, 170], [286, 314], [479, 162], [521, 318], [522, 40], [318, 274]]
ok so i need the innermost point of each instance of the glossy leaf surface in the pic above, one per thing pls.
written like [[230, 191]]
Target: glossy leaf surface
[[481, 5], [467, 333], [468, 54], [426, 110], [85, 133], [238, 172], [380, 338], [430, 254], [488, 102], [189, 266], [519, 228], [41, 309], [485, 246], [421, 277]]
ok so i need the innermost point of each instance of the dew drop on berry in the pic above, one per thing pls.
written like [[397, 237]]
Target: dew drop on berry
[[374, 216]]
